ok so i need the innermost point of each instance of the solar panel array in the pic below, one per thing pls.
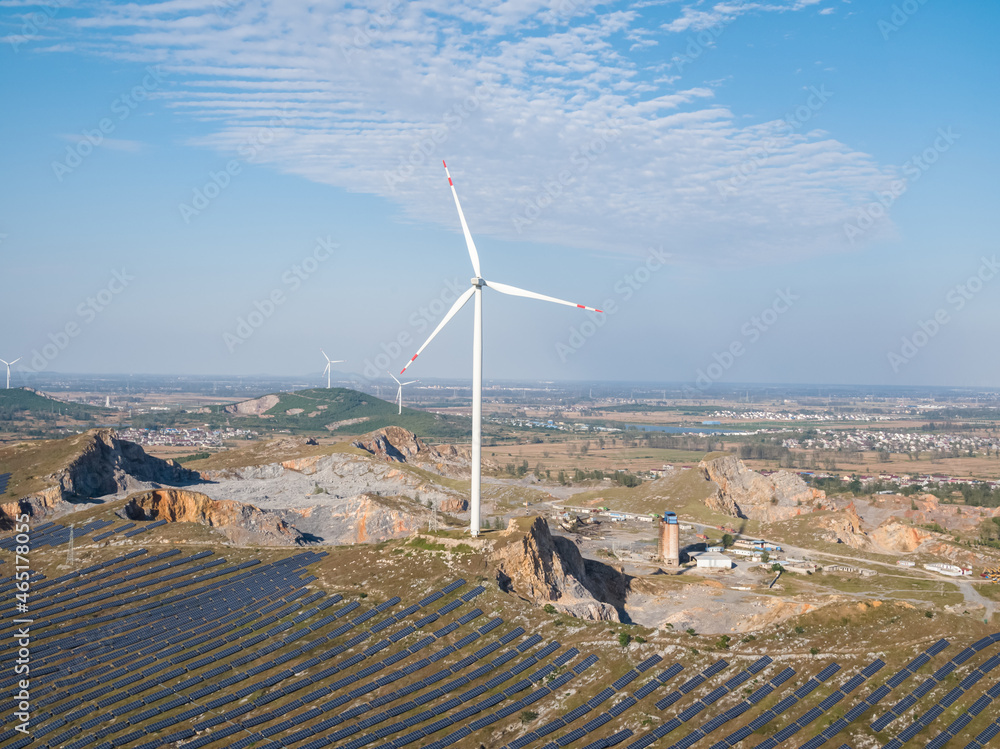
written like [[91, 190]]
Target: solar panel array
[[187, 649], [53, 534], [4, 478]]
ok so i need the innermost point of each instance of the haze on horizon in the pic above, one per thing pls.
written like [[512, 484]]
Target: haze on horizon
[[797, 191]]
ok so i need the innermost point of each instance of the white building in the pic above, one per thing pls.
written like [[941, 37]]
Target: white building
[[714, 560]]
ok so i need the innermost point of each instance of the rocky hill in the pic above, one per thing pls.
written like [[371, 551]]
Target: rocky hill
[[533, 563], [49, 475], [395, 444], [336, 411], [744, 493]]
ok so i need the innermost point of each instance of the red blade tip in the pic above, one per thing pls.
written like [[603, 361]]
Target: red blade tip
[[445, 165]]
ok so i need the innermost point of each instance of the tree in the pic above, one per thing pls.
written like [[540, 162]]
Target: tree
[[624, 639], [727, 540], [765, 557]]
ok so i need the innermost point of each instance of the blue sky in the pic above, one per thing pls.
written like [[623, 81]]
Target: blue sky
[[712, 169]]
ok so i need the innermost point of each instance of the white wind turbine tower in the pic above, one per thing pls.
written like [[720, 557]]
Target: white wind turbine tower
[[9, 363], [329, 362], [399, 391], [478, 282]]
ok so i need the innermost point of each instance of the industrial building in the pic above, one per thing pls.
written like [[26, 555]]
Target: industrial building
[[670, 540], [714, 560]]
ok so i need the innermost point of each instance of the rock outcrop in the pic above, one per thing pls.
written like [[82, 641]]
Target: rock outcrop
[[845, 527], [747, 494], [99, 464], [895, 536], [241, 523], [549, 569], [367, 518], [395, 444], [255, 407]]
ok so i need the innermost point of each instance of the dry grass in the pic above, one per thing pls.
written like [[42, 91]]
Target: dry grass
[[29, 463]]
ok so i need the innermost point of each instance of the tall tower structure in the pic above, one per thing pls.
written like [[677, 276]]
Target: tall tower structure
[[670, 540]]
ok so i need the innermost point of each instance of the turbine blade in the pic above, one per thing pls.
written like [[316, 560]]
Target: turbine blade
[[327, 368], [393, 377], [514, 291], [473, 255], [324, 354], [16, 360], [406, 383], [459, 303]]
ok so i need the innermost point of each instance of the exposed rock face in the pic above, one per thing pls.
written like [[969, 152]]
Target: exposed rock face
[[254, 407], [549, 569], [101, 465], [896, 536], [340, 498], [395, 444], [242, 523], [747, 494], [365, 519], [846, 528]]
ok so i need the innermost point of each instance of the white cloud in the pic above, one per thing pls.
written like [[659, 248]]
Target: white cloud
[[531, 102]]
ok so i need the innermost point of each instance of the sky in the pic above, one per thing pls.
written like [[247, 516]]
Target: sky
[[791, 191]]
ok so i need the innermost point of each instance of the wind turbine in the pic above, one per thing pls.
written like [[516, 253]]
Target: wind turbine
[[478, 282], [329, 361], [399, 392], [8, 369]]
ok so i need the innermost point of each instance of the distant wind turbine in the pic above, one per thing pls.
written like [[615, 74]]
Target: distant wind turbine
[[399, 392], [329, 362], [8, 369], [478, 282]]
